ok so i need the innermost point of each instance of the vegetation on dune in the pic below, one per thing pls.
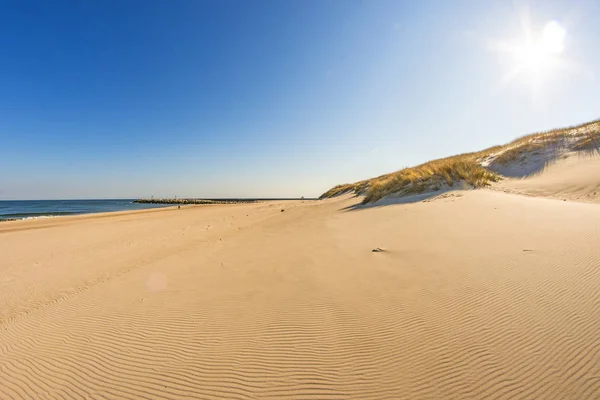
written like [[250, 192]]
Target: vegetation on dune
[[588, 142], [431, 176], [345, 188], [584, 137], [517, 152], [556, 134], [467, 169]]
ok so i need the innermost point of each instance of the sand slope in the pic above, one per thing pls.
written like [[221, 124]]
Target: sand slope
[[478, 295], [575, 177]]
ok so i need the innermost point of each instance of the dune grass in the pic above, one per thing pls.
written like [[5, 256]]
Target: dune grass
[[466, 169], [588, 142], [582, 137], [517, 152], [431, 176], [343, 189], [570, 131]]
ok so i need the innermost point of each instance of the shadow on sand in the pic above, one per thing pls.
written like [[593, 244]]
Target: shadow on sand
[[391, 201], [535, 163]]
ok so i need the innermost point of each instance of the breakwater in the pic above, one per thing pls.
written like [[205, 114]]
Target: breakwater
[[195, 201]]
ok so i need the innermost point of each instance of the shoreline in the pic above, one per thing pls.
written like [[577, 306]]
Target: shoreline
[[10, 225], [32, 223], [23, 213], [53, 215]]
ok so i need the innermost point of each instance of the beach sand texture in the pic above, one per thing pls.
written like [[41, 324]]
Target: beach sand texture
[[476, 294]]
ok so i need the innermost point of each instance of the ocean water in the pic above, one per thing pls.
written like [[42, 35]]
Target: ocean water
[[20, 209]]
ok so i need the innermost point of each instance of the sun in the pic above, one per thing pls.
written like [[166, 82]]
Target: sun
[[553, 38], [530, 58], [538, 55]]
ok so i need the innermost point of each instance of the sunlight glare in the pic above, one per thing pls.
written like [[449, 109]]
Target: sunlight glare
[[537, 55], [553, 38], [530, 57]]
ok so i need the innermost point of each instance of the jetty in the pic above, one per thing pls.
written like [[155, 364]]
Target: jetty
[[195, 201]]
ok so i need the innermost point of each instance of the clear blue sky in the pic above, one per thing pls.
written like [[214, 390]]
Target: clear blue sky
[[102, 99]]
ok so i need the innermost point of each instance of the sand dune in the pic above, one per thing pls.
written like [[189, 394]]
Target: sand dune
[[481, 294], [524, 157], [575, 177]]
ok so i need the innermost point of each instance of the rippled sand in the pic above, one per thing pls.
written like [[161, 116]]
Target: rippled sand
[[477, 294]]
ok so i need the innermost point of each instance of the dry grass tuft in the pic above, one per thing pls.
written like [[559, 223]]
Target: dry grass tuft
[[338, 190], [356, 188], [517, 152], [431, 176], [589, 142], [576, 138], [557, 134]]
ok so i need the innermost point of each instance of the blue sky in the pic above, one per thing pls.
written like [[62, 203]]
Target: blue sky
[[102, 99]]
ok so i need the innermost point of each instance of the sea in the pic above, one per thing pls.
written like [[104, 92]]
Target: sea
[[21, 209]]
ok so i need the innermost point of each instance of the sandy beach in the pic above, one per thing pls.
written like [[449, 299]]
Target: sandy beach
[[476, 294], [300, 200]]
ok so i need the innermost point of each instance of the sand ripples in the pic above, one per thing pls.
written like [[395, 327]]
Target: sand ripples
[[234, 323]]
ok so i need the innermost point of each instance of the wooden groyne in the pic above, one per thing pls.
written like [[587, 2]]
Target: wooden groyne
[[194, 201]]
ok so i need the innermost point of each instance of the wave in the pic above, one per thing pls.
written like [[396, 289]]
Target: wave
[[24, 215]]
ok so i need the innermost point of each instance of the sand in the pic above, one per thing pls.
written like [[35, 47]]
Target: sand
[[574, 177], [476, 294]]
